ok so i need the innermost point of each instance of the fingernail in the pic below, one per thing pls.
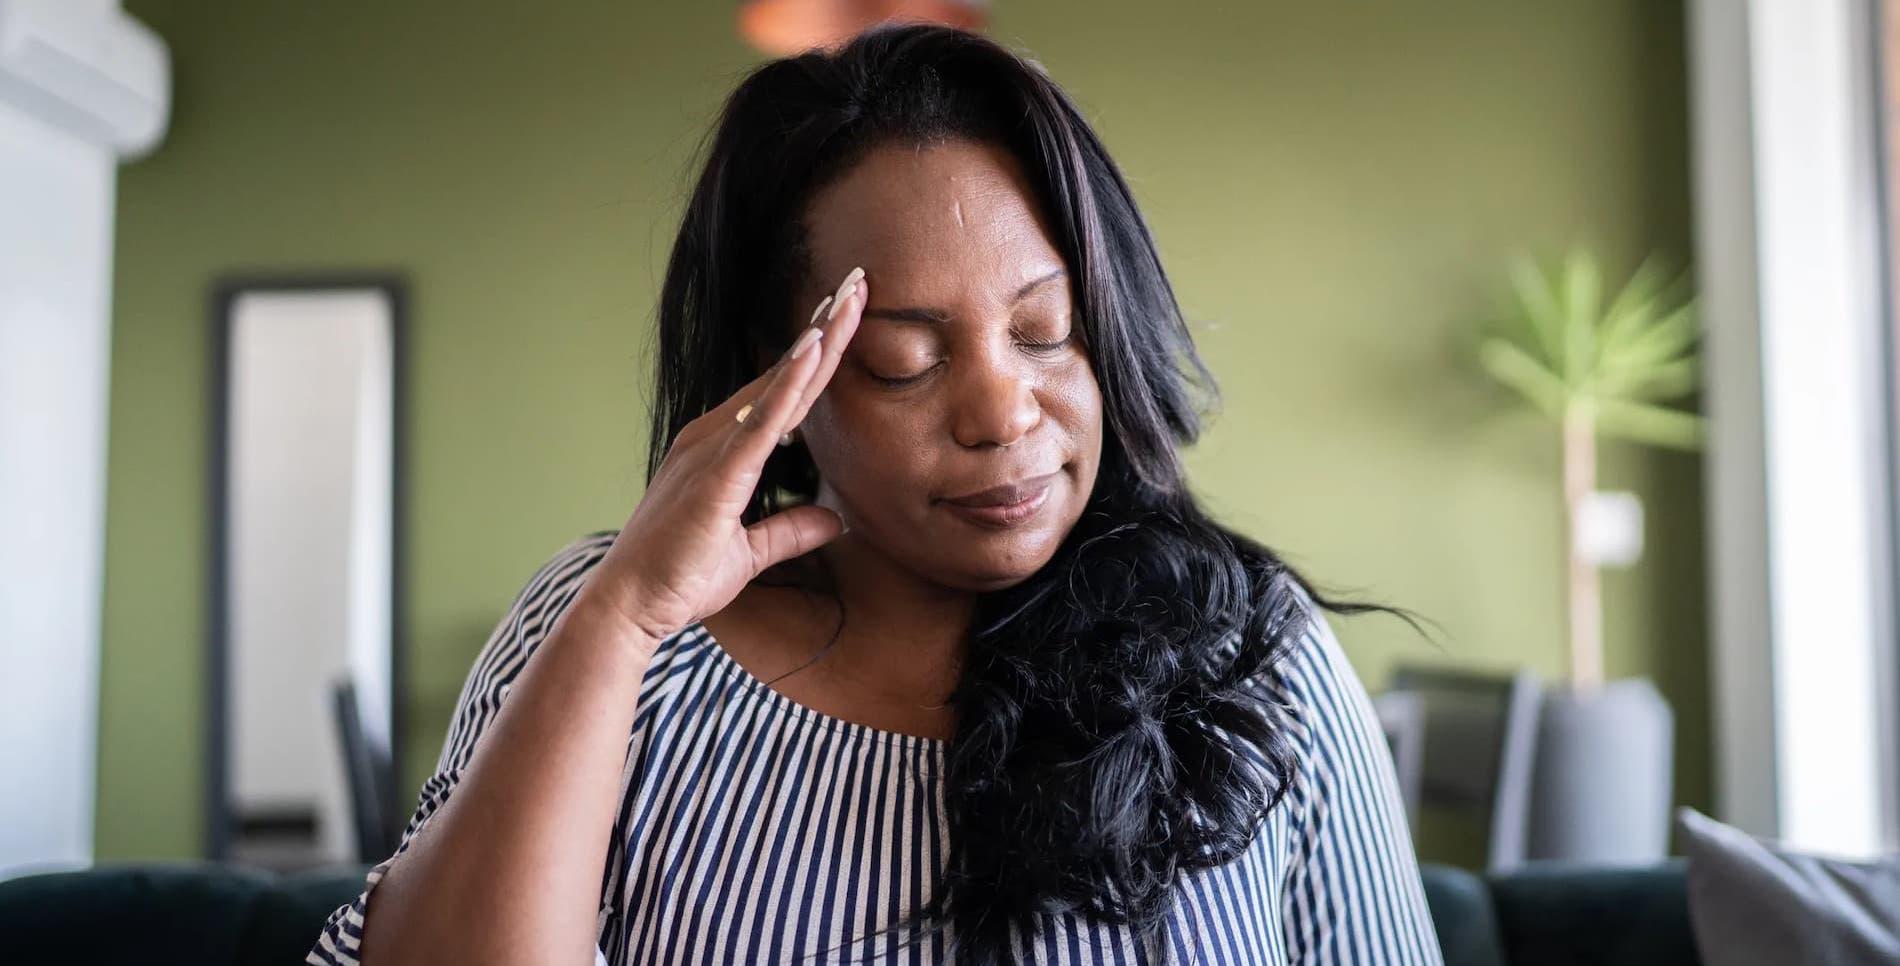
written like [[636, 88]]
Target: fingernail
[[845, 287], [805, 340], [817, 311]]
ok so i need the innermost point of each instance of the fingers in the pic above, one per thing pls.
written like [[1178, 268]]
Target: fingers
[[726, 413], [843, 324], [748, 443], [722, 415], [788, 533]]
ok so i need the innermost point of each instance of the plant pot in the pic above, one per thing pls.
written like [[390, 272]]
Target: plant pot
[[1602, 783]]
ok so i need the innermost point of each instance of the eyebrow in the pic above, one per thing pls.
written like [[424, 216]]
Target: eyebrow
[[912, 313]]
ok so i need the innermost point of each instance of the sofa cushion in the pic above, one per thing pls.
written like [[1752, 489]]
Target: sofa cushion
[[1462, 914], [285, 920], [159, 913], [128, 914], [1560, 914]]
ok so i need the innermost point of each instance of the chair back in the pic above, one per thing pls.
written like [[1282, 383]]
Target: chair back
[[1477, 747], [371, 776]]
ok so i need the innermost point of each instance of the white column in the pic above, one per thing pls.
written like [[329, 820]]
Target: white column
[[62, 130], [55, 285]]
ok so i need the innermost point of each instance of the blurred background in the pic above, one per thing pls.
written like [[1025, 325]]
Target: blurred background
[[464, 209]]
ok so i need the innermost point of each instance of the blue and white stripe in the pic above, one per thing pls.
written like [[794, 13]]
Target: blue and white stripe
[[755, 830]]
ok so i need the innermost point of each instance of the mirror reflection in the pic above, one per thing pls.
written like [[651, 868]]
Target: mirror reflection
[[304, 652]]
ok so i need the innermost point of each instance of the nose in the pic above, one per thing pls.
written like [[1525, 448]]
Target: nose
[[995, 405]]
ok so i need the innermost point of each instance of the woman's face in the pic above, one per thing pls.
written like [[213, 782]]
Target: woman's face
[[967, 373]]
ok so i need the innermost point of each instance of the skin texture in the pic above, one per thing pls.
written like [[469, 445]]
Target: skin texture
[[948, 234]]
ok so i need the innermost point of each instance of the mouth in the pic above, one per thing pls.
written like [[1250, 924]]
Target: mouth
[[1006, 505]]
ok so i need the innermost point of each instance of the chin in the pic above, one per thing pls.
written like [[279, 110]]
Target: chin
[[997, 560], [990, 582]]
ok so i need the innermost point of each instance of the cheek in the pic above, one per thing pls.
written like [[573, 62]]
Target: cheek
[[866, 447], [1074, 399]]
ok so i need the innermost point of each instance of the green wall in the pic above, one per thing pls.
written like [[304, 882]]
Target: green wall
[[1333, 187]]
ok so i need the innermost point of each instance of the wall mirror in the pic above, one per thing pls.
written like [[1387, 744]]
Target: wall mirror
[[305, 683]]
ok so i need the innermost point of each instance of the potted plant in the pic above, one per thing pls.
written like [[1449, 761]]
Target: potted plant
[[1599, 367]]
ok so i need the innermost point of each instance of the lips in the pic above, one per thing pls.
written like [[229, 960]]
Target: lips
[[1005, 495]]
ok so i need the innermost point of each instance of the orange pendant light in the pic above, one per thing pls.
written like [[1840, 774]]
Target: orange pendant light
[[781, 28]]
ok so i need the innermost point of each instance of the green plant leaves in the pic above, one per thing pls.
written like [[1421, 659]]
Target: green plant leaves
[[1564, 344], [1655, 425], [1539, 320], [1582, 285], [1516, 368]]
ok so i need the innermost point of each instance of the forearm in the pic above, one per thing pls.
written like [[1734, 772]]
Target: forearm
[[509, 869]]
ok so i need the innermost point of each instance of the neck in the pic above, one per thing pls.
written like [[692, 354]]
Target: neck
[[903, 637]]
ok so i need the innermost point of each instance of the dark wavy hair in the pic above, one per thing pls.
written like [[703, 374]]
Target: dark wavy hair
[[1115, 729]]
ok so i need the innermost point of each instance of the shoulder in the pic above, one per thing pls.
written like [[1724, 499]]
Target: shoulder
[[532, 612], [548, 591], [536, 607], [547, 595], [569, 566], [1316, 684], [526, 621]]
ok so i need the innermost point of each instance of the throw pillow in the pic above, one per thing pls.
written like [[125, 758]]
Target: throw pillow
[[1754, 902]]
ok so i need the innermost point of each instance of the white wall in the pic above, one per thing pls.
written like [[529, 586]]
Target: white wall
[[56, 196]]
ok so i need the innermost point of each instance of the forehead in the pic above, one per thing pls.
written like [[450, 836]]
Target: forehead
[[921, 212]]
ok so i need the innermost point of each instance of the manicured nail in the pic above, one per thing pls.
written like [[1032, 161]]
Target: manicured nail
[[815, 312], [844, 288], [805, 339]]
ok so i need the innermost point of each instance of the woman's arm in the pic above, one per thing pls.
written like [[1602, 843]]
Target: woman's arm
[[508, 869], [1352, 892], [491, 868]]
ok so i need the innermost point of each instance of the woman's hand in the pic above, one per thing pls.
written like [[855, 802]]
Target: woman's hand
[[535, 770], [684, 554]]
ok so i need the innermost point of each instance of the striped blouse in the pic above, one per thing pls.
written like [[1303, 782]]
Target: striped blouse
[[753, 829]]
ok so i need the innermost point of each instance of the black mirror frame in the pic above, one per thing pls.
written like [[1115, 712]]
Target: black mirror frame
[[224, 293]]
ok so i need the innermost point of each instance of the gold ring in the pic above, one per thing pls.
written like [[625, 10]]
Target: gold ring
[[744, 411]]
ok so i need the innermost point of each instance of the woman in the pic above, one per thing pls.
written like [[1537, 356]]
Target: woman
[[917, 647]]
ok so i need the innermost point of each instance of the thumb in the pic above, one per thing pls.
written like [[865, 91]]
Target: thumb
[[789, 533]]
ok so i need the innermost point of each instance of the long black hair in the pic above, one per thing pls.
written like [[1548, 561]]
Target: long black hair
[[1115, 729]]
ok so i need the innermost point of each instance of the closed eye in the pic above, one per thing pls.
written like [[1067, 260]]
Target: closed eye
[[1051, 346], [898, 382]]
